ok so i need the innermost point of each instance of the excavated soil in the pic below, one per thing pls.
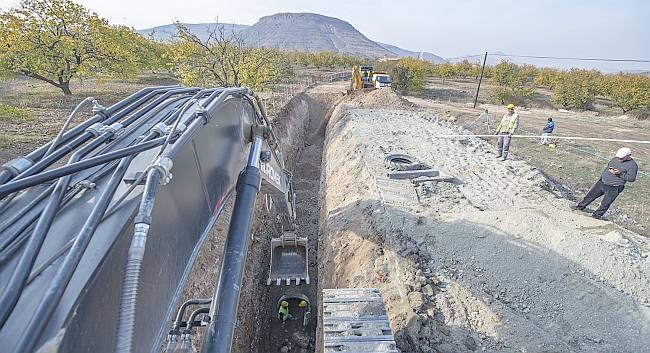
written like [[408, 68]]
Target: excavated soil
[[492, 261]]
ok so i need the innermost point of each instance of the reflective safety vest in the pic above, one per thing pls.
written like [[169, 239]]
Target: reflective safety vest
[[283, 313], [514, 120], [306, 315]]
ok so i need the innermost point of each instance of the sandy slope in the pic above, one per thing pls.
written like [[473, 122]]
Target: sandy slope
[[493, 261]]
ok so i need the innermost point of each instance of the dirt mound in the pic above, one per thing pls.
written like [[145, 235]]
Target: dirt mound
[[378, 99], [494, 261]]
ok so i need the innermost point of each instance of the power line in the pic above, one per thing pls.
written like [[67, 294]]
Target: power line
[[583, 59], [550, 57]]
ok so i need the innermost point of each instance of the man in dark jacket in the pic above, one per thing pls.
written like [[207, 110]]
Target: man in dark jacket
[[547, 131], [620, 170]]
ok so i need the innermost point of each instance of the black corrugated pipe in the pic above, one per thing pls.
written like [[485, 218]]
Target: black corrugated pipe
[[57, 286], [126, 323], [223, 310], [30, 251]]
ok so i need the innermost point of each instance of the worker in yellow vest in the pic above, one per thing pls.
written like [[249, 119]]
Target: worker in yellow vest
[[283, 314], [506, 129], [305, 314]]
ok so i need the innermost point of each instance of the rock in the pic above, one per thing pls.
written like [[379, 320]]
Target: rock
[[302, 339], [284, 349], [427, 290], [436, 281], [445, 348], [470, 343]]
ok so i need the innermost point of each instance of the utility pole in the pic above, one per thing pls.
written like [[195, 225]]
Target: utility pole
[[481, 79]]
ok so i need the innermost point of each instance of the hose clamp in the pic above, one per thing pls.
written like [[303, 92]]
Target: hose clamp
[[18, 165], [116, 129], [164, 166], [160, 129], [95, 129]]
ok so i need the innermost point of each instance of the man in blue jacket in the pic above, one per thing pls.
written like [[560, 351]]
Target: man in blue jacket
[[547, 131], [620, 170]]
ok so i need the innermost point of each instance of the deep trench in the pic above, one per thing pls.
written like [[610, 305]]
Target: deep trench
[[300, 129]]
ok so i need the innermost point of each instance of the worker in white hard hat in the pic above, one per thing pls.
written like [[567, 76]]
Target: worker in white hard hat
[[506, 129], [620, 170]]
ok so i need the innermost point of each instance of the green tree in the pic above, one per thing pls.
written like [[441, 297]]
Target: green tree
[[223, 60], [57, 40], [463, 68], [629, 91], [410, 74], [444, 70], [510, 80], [547, 77], [577, 88]]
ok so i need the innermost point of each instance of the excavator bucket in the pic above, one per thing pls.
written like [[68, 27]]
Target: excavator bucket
[[289, 259]]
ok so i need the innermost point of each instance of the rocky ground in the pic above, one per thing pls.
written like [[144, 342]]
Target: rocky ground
[[493, 261]]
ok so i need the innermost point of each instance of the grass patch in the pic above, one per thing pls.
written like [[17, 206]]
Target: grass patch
[[576, 170], [14, 115]]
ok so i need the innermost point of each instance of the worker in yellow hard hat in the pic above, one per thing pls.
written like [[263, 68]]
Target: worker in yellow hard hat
[[506, 129], [283, 314], [305, 314]]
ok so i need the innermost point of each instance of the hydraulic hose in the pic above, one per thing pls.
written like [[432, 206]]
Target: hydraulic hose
[[77, 166], [26, 262], [126, 322], [57, 286], [173, 333], [223, 310], [187, 333]]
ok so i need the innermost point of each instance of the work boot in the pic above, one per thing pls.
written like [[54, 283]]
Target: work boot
[[593, 215], [577, 208], [498, 156]]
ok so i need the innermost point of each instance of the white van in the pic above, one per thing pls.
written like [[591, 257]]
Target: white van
[[381, 80]]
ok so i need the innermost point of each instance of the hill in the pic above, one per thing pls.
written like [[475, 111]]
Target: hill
[[305, 32], [202, 30], [406, 53], [311, 33]]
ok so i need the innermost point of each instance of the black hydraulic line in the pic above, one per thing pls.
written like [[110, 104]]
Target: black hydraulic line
[[36, 155], [77, 166], [58, 284], [5, 241], [187, 333], [131, 103], [181, 311], [223, 310], [26, 262]]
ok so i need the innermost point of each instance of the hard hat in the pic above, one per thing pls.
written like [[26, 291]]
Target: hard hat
[[511, 106], [303, 303], [284, 304]]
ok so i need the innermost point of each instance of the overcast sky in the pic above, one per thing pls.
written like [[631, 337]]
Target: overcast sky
[[601, 29]]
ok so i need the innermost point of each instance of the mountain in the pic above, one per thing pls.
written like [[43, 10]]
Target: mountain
[[311, 33], [406, 53], [202, 30], [305, 32]]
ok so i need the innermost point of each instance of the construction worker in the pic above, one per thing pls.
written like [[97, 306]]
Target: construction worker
[[620, 170], [305, 314], [506, 129], [283, 314]]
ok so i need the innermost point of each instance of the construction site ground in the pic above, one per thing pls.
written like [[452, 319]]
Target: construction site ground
[[493, 261]]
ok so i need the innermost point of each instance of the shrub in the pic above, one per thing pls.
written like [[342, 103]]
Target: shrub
[[14, 115]]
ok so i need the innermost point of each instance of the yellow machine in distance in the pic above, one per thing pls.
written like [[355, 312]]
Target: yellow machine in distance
[[365, 77]]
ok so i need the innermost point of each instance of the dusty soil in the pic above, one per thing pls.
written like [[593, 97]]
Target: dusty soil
[[493, 261]]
